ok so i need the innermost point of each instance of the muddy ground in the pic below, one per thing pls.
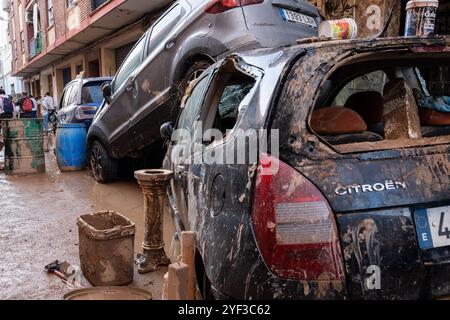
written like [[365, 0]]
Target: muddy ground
[[38, 225]]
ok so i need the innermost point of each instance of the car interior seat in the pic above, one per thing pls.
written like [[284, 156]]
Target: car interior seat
[[341, 125], [434, 123], [369, 105]]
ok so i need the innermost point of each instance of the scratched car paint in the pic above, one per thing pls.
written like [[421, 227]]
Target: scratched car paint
[[372, 249]]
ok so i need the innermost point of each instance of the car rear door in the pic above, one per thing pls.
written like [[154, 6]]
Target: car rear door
[[125, 93], [69, 102], [155, 104], [277, 22], [179, 157]]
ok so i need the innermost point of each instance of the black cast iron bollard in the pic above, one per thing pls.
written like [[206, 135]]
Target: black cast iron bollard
[[154, 185]]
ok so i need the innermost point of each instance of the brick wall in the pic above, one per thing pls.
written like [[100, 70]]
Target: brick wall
[[43, 14], [59, 12], [17, 61]]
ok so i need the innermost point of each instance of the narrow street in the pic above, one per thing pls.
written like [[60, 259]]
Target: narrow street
[[227, 150], [38, 226]]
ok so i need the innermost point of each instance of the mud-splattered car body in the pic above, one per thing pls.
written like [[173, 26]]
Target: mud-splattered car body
[[374, 250]]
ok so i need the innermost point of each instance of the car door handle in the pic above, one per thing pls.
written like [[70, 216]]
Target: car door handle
[[171, 42], [130, 84]]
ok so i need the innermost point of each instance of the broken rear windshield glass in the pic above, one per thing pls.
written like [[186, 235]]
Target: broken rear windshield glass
[[389, 103]]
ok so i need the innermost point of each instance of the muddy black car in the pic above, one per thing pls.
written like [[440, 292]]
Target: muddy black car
[[349, 197]]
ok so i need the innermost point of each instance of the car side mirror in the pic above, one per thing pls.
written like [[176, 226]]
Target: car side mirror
[[106, 89], [167, 130]]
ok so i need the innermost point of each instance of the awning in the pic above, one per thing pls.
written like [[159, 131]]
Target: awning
[[110, 18]]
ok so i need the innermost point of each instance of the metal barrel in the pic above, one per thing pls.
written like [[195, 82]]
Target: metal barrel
[[24, 147]]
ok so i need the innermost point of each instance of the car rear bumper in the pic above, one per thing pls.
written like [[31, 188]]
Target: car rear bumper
[[383, 259]]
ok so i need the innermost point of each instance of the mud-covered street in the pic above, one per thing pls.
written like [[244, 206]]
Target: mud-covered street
[[38, 226]]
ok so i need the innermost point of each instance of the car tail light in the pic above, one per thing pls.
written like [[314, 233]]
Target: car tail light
[[294, 225], [85, 112], [250, 2], [219, 6]]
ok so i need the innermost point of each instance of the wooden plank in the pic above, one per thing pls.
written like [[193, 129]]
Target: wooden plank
[[177, 281], [188, 257]]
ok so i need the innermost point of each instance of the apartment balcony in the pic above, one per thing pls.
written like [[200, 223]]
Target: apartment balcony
[[105, 19], [35, 45]]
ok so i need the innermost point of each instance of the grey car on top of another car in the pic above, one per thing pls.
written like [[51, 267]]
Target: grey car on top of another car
[[181, 44]]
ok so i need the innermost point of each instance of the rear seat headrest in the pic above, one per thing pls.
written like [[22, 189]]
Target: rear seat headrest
[[336, 121], [368, 104], [429, 117]]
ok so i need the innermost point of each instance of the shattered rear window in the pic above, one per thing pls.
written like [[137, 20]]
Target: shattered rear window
[[385, 104]]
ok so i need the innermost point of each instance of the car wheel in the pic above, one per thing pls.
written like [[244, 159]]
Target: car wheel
[[103, 167], [193, 73]]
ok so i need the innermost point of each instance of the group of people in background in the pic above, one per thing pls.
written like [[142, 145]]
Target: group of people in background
[[26, 106]]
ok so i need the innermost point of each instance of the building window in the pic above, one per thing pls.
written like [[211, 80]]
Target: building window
[[33, 25], [22, 40], [97, 3], [50, 17]]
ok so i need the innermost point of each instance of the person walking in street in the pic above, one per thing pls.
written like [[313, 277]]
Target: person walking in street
[[47, 107], [39, 106], [34, 109], [26, 106], [48, 101], [44, 113], [6, 106], [15, 99]]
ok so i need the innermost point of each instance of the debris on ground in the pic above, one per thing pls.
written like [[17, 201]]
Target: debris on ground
[[65, 272]]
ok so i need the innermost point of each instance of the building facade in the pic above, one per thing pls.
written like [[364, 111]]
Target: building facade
[[55, 41], [10, 84]]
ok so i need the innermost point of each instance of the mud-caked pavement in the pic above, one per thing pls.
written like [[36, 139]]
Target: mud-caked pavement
[[38, 225]]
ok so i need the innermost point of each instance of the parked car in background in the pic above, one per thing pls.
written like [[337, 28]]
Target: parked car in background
[[80, 100], [335, 208], [186, 40]]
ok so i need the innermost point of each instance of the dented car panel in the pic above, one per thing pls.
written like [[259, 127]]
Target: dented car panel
[[373, 194]]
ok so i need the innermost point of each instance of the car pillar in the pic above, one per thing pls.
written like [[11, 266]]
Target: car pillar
[[154, 185]]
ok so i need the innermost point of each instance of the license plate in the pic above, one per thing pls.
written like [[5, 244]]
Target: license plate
[[433, 227], [296, 17]]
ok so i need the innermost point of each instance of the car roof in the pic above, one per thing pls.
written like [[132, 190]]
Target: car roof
[[317, 46], [87, 80]]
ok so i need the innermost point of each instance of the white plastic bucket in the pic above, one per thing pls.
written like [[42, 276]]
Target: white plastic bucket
[[421, 17], [339, 29]]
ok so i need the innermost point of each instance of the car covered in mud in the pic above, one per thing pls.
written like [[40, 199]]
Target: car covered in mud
[[188, 37], [318, 171]]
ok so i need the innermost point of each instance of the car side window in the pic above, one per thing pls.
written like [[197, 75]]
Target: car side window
[[130, 64], [225, 99], [74, 93], [163, 27], [193, 105], [66, 96]]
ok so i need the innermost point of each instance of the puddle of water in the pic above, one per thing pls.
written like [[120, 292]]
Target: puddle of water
[[38, 225]]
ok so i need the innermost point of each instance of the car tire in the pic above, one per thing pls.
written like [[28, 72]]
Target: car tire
[[191, 74], [104, 168]]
